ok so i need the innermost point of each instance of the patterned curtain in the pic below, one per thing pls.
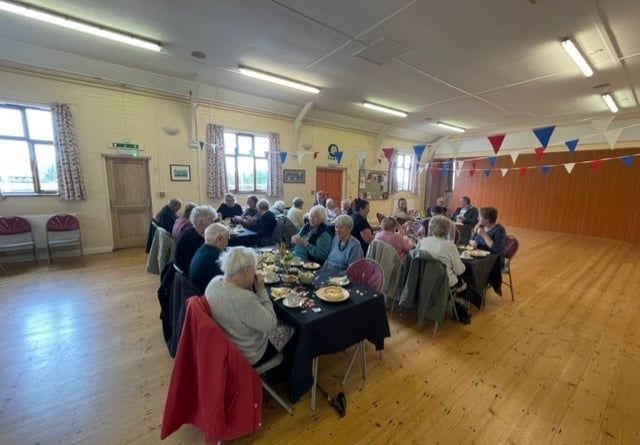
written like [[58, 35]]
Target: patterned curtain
[[274, 175], [393, 178], [70, 182], [216, 164]]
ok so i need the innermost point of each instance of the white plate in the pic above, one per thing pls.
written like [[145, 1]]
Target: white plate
[[339, 281], [311, 266], [287, 304], [280, 292], [477, 253], [332, 294], [297, 262], [266, 249], [271, 279]]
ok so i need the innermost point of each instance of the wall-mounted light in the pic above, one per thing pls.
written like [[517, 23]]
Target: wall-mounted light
[[77, 25], [608, 99], [577, 57], [387, 110], [450, 127], [278, 80]]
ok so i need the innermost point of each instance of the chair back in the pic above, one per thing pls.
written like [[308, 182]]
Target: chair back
[[380, 217], [511, 245], [387, 256], [367, 272], [62, 223], [13, 225]]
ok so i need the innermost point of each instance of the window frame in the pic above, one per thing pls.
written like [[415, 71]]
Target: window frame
[[31, 145], [403, 187], [237, 157]]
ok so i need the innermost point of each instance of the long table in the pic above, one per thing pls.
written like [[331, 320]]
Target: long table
[[247, 238], [332, 329]]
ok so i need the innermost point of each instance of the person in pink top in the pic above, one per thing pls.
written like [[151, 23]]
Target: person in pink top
[[397, 240]]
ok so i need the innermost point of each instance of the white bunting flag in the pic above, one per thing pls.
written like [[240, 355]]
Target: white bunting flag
[[504, 171], [569, 166], [612, 137], [602, 124], [514, 157]]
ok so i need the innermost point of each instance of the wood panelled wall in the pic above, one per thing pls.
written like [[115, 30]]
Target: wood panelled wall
[[602, 202]]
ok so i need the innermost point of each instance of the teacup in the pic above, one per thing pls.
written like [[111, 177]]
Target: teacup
[[292, 300]]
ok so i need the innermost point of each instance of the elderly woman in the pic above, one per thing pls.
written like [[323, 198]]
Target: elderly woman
[[347, 207], [344, 249], [204, 265], [192, 238], [264, 223], [401, 213], [488, 234], [362, 230], [313, 241], [183, 222], [247, 317], [229, 208], [295, 212], [278, 208], [389, 235]]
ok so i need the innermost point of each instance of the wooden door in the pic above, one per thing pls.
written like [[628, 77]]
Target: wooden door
[[129, 199], [330, 180]]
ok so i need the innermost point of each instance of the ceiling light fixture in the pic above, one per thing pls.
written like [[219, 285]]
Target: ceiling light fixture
[[278, 80], [608, 99], [450, 127], [384, 109], [77, 25], [577, 57]]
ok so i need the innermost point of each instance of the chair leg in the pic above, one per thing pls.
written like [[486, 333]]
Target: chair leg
[[453, 306], [511, 286], [435, 327], [363, 359], [351, 360], [314, 371], [278, 399]]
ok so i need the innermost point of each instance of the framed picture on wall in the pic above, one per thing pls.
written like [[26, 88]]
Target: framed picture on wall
[[180, 172], [293, 176]]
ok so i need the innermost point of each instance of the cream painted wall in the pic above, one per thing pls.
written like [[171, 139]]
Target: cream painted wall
[[103, 114]]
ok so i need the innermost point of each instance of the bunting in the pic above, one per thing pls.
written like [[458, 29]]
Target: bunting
[[202, 145], [283, 156], [595, 164], [612, 137], [545, 169], [522, 171], [539, 151], [418, 150], [571, 145], [514, 157], [492, 160], [504, 171], [388, 153], [315, 154], [627, 160], [544, 134], [569, 166], [338, 155], [496, 142], [487, 172]]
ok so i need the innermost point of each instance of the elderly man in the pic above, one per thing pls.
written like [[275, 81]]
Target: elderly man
[[466, 213], [204, 265], [166, 217], [295, 212], [192, 238]]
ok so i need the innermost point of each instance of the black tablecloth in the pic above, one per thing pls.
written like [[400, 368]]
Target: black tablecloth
[[336, 327], [481, 273], [247, 238]]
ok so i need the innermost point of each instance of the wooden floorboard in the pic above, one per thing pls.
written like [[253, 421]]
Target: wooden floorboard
[[82, 360]]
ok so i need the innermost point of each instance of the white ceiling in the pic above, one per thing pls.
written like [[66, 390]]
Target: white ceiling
[[491, 66]]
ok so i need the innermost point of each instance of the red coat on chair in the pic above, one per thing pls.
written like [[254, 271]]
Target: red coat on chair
[[212, 385]]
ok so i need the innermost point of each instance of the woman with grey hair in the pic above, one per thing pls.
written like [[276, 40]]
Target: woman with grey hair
[[345, 249], [192, 238], [295, 212], [264, 224], [277, 208], [313, 241], [245, 316], [204, 265]]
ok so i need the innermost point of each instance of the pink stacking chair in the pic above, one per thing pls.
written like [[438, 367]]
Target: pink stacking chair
[[63, 232]]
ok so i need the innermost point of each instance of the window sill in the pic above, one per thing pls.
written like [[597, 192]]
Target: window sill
[[28, 195]]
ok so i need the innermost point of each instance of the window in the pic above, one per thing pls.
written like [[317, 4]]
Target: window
[[247, 165], [27, 153], [403, 170]]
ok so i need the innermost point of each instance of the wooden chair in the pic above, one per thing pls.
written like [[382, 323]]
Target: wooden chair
[[63, 232], [511, 246], [16, 237]]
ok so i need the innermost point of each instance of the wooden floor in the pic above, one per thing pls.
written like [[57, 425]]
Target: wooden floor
[[82, 360]]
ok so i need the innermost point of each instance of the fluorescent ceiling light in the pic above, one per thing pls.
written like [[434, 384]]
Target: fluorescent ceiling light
[[577, 57], [608, 99], [279, 80], [450, 127], [384, 109], [76, 25]]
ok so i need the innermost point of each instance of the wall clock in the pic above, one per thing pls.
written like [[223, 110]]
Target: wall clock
[[332, 149]]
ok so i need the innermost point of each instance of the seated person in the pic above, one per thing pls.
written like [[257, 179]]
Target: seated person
[[389, 235], [204, 265], [192, 238], [321, 198], [263, 224], [345, 249], [362, 230], [446, 252], [488, 234], [295, 213], [332, 210], [278, 208], [249, 213], [166, 217], [229, 208], [440, 208], [313, 241], [466, 213], [347, 207], [183, 222], [401, 213], [245, 316]]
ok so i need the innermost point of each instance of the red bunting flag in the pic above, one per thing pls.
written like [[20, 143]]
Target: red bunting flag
[[539, 151], [474, 162], [433, 167], [472, 172], [388, 153], [315, 154], [595, 164], [522, 171], [496, 142]]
